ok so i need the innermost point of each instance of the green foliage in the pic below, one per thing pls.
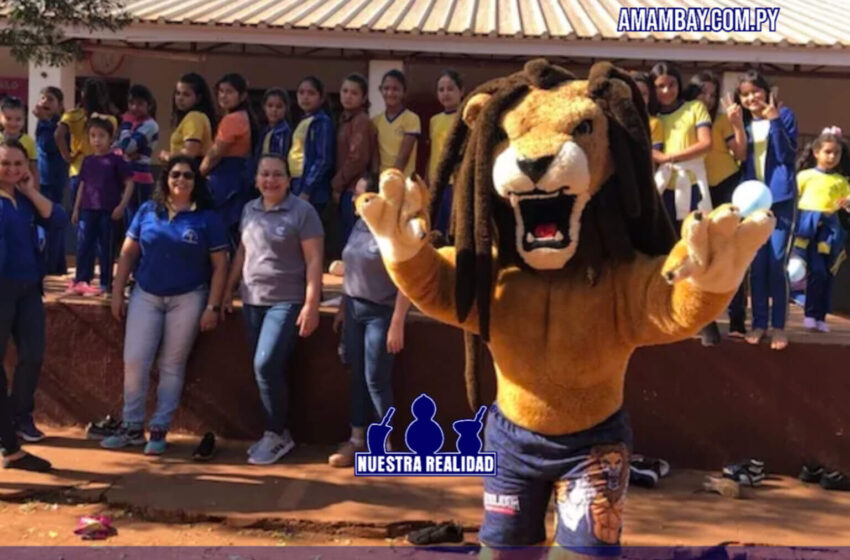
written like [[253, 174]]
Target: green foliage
[[35, 29]]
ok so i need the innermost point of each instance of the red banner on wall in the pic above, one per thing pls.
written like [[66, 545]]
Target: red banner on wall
[[15, 87]]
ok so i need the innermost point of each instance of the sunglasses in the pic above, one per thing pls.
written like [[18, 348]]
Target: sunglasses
[[188, 175]]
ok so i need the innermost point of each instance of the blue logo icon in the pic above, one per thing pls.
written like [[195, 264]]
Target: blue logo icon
[[424, 439]]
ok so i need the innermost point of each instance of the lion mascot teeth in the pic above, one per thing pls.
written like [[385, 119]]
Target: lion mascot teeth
[[564, 262]]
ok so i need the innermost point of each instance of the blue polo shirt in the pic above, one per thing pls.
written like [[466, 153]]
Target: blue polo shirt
[[52, 169], [175, 249], [22, 237]]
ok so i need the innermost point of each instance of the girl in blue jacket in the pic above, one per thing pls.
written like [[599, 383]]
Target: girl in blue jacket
[[312, 152], [771, 154]]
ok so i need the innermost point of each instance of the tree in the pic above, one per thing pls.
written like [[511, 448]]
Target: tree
[[35, 29]]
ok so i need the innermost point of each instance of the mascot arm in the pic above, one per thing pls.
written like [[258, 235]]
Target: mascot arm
[[670, 298], [397, 217], [429, 280]]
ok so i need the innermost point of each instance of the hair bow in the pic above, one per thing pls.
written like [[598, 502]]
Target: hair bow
[[832, 130], [98, 116]]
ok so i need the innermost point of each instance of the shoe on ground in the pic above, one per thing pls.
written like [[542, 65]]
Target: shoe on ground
[[811, 473], [206, 449], [809, 323], [659, 466], [72, 289], [821, 326], [448, 532], [645, 478], [156, 444], [27, 462], [103, 428], [344, 456], [26, 430], [271, 448], [710, 335], [835, 481], [124, 437], [748, 473]]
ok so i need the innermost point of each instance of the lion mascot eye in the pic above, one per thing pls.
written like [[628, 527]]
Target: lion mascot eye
[[584, 127]]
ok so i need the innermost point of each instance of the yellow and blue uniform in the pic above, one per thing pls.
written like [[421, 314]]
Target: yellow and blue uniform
[[53, 176], [768, 273], [391, 134], [656, 133], [438, 133], [679, 128], [312, 158], [229, 181], [720, 167], [195, 126], [819, 237]]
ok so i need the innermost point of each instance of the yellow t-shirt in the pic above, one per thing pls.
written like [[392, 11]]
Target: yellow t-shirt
[[27, 142], [194, 126], [656, 133], [760, 130], [391, 134], [680, 126], [438, 132], [79, 140], [821, 191], [719, 163], [296, 151]]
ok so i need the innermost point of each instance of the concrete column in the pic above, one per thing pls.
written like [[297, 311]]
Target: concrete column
[[377, 69], [728, 82], [42, 76]]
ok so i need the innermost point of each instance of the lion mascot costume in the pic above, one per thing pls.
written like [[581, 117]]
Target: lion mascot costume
[[564, 262]]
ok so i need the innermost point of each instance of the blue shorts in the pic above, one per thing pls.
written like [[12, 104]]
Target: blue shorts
[[587, 471]]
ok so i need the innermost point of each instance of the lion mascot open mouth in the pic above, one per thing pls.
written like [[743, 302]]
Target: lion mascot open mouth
[[564, 262]]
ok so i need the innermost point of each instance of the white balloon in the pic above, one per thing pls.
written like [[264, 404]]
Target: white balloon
[[796, 269], [751, 196]]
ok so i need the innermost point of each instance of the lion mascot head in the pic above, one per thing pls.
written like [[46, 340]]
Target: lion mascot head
[[553, 174]]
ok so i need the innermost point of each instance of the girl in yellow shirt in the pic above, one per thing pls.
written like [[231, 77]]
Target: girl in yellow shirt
[[193, 118], [398, 127], [824, 192], [449, 94]]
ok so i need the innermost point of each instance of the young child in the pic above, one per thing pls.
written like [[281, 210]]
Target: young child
[[52, 170], [449, 94], [276, 137], [824, 192], [12, 119], [103, 176], [226, 165], [356, 145], [398, 127], [71, 135], [311, 157], [137, 139]]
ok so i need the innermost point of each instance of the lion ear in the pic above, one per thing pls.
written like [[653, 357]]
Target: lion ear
[[473, 108]]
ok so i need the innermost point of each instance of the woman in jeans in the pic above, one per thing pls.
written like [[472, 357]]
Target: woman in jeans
[[280, 262], [24, 214], [177, 248], [372, 313]]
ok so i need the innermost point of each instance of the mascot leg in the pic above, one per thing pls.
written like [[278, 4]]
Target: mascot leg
[[588, 471]]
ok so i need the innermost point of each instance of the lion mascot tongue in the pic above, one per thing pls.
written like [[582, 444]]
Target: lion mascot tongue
[[564, 262]]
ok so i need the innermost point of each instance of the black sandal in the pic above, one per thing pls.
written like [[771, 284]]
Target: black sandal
[[206, 449], [448, 532]]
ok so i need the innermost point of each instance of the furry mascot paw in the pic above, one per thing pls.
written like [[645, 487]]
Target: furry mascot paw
[[716, 249], [397, 215]]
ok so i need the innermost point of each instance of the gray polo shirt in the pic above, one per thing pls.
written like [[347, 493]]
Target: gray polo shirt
[[275, 270], [365, 274]]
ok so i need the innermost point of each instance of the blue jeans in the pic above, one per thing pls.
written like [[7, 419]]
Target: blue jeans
[[22, 319], [272, 333], [94, 234], [56, 263], [364, 332], [141, 194], [444, 214], [169, 325], [769, 290]]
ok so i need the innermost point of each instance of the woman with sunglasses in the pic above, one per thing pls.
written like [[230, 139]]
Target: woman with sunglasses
[[177, 248]]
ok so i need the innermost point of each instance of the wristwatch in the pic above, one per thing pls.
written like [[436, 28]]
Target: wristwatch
[[214, 308]]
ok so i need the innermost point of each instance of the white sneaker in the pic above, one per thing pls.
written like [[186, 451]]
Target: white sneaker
[[271, 448], [821, 326], [809, 323]]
